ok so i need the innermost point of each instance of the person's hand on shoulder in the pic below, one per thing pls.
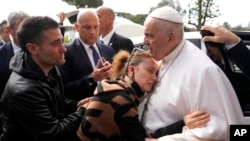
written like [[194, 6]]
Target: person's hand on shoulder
[[84, 102], [221, 35]]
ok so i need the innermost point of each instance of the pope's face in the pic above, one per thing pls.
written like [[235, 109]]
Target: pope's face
[[155, 38]]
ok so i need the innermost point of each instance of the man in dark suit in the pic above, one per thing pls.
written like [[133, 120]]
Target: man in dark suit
[[218, 56], [240, 55], [236, 50], [80, 74], [215, 53], [9, 49], [108, 35], [6, 53], [3, 33]]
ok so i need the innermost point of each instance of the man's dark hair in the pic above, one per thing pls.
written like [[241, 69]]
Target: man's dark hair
[[31, 30]]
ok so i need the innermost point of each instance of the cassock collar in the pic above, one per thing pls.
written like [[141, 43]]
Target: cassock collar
[[174, 53]]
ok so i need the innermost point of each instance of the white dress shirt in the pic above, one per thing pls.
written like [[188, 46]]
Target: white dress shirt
[[90, 52], [107, 38]]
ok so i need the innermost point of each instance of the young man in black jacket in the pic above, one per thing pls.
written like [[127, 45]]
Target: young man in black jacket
[[33, 102]]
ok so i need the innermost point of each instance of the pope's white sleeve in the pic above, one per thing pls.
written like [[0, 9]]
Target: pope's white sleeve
[[186, 135], [216, 96]]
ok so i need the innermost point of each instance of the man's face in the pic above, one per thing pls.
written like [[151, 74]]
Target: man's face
[[155, 38], [88, 28], [215, 54], [51, 51], [12, 30], [102, 19], [4, 34]]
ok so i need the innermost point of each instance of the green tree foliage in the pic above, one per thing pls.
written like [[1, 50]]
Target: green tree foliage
[[66, 39], [227, 25], [198, 12], [85, 3], [201, 11], [248, 27], [172, 3], [240, 28], [140, 18]]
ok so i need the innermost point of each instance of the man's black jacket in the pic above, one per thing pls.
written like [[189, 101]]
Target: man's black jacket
[[34, 106]]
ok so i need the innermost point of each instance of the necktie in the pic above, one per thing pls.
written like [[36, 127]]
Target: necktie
[[96, 56]]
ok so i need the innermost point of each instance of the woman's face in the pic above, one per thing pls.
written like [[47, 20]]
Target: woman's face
[[145, 74]]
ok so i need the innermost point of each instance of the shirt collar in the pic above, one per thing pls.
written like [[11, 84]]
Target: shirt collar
[[107, 38], [15, 47], [3, 41], [86, 46], [174, 53]]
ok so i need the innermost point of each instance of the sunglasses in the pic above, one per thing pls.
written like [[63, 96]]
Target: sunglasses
[[135, 49]]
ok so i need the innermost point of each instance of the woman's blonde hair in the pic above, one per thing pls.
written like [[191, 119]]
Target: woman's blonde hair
[[123, 59]]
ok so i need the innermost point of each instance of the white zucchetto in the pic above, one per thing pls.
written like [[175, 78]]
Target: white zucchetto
[[167, 13]]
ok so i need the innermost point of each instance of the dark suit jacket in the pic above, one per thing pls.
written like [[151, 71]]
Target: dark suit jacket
[[240, 55], [1, 43], [6, 53], [118, 42], [62, 29], [78, 67]]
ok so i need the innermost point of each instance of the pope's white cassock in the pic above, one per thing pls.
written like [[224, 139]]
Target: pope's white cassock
[[189, 81]]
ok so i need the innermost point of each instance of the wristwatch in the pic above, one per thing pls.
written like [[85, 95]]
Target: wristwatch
[[91, 79]]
